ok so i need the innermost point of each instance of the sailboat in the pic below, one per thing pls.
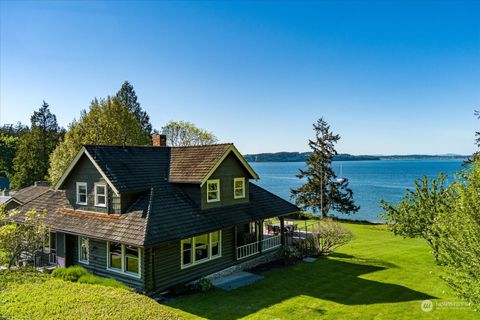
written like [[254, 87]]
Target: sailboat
[[340, 180]]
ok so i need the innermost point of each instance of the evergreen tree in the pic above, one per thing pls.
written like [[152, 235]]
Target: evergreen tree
[[8, 150], [323, 191], [32, 159], [106, 122], [128, 99]]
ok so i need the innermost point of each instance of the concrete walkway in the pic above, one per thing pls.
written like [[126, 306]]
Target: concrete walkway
[[236, 280]]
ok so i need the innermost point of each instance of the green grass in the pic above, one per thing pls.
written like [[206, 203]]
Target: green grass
[[29, 295], [376, 276]]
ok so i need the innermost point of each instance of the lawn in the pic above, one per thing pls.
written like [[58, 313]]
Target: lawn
[[376, 276], [28, 295]]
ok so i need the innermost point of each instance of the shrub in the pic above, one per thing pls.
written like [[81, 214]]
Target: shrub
[[327, 236], [291, 254], [72, 273], [203, 285], [106, 282]]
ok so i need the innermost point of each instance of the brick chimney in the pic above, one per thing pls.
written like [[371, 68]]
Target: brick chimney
[[42, 184], [159, 140]]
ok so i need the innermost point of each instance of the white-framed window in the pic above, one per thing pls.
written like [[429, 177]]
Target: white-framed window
[[239, 188], [123, 258], [82, 193], [83, 250], [213, 190], [100, 194], [201, 248]]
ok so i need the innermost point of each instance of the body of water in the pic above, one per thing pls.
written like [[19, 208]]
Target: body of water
[[370, 181]]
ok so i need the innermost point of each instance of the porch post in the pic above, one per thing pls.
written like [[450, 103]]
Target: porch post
[[282, 230], [260, 235], [236, 243]]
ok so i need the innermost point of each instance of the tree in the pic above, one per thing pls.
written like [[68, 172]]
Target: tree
[[18, 239], [11, 130], [417, 214], [183, 133], [32, 159], [476, 155], [323, 191], [8, 150], [459, 229], [106, 122], [128, 99]]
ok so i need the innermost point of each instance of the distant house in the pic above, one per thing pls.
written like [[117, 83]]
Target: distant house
[[154, 217], [15, 199]]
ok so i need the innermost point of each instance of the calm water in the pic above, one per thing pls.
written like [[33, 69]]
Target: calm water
[[369, 180]]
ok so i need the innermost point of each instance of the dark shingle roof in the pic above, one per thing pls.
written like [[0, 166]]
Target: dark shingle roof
[[159, 215], [132, 168], [192, 164], [163, 212]]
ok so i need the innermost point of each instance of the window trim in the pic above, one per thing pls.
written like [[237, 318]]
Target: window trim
[[123, 255], [79, 184], [209, 258], [217, 181], [242, 179], [80, 250], [104, 185]]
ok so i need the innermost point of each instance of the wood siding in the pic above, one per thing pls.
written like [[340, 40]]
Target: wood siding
[[85, 171], [165, 266], [228, 170], [98, 262]]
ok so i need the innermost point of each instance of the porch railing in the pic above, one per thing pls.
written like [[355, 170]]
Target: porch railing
[[272, 242], [247, 250]]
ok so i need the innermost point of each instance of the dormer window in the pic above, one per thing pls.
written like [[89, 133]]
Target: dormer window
[[100, 195], [82, 193], [239, 188], [213, 190]]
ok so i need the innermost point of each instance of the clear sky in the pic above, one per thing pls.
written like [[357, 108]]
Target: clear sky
[[390, 77]]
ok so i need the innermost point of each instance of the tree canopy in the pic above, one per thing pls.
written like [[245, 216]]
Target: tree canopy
[[106, 122], [418, 213], [31, 161], [323, 191], [459, 230], [128, 99], [184, 133]]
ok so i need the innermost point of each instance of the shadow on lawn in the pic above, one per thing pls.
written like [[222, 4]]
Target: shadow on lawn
[[331, 279]]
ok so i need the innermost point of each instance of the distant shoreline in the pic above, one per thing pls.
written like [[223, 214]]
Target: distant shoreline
[[302, 157]]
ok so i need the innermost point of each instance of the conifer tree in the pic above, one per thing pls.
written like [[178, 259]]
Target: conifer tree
[[323, 191], [128, 99], [32, 159]]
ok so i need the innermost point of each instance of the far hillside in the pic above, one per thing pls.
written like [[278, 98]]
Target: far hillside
[[302, 157]]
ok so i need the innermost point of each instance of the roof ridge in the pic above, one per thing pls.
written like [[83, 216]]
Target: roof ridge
[[204, 145]]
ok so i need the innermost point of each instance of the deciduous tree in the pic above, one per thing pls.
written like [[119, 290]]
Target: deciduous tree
[[106, 122], [417, 214], [323, 191], [184, 133], [459, 229], [18, 239]]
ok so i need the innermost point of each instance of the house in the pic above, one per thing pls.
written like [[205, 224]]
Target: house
[[156, 216], [25, 195]]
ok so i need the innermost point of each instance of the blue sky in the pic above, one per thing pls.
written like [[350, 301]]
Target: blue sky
[[390, 77]]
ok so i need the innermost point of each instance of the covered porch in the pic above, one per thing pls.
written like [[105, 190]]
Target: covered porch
[[259, 236]]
